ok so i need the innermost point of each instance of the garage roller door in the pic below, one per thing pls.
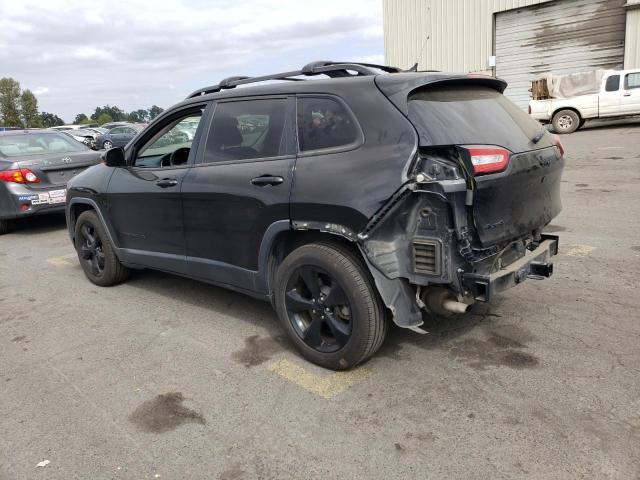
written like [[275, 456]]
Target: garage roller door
[[564, 36]]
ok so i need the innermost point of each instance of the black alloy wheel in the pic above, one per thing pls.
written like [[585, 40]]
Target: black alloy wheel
[[327, 303], [318, 309], [96, 254], [91, 250]]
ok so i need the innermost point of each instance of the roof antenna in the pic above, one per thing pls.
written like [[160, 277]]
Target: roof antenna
[[414, 68]]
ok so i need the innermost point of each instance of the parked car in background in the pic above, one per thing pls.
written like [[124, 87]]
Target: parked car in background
[[616, 95], [35, 166], [346, 201], [6, 129], [73, 127], [117, 136]]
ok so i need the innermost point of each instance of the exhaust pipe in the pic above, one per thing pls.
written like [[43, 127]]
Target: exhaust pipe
[[455, 306], [442, 301]]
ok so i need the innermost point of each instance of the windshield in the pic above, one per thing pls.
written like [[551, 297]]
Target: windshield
[[472, 115], [38, 144]]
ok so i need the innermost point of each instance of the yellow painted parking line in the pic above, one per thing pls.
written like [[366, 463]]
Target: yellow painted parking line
[[63, 261], [580, 250], [324, 386]]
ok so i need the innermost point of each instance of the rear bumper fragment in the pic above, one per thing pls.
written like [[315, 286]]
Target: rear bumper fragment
[[535, 264]]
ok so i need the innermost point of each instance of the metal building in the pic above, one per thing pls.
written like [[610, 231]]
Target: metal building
[[517, 40]]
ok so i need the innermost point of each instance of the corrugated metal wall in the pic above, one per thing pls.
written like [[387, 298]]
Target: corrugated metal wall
[[567, 36], [449, 35], [632, 36]]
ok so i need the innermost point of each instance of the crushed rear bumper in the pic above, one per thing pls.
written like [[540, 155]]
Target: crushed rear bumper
[[535, 264]]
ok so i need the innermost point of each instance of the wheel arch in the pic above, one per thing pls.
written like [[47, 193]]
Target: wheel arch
[[573, 109], [79, 205]]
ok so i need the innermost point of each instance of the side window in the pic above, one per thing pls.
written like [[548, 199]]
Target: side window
[[324, 123], [170, 144], [116, 131], [130, 131], [632, 80], [613, 83], [246, 129]]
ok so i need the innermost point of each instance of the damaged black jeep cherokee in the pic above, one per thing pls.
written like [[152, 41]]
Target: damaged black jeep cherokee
[[373, 194]]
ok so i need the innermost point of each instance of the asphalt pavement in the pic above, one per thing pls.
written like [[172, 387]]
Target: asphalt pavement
[[163, 377]]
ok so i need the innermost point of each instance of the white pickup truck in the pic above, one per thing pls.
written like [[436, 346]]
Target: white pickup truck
[[618, 96]]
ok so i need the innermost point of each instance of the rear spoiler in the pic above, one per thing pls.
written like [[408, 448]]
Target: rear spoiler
[[398, 86]]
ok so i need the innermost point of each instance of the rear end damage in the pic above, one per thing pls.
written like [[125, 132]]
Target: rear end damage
[[468, 223]]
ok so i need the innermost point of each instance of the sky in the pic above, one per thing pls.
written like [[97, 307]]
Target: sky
[[76, 55]]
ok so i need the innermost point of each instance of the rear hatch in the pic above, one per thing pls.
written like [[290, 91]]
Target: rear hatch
[[523, 193]]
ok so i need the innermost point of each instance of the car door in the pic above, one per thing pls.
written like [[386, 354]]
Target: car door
[[125, 137], [144, 199], [630, 101], [239, 188], [609, 97], [116, 136]]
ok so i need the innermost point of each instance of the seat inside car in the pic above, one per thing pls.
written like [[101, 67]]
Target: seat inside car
[[227, 139]]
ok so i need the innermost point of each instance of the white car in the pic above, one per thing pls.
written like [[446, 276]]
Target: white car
[[618, 96]]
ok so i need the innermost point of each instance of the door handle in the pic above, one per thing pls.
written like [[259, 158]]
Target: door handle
[[167, 182], [265, 180], [626, 94]]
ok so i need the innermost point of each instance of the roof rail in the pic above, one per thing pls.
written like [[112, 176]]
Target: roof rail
[[323, 67]]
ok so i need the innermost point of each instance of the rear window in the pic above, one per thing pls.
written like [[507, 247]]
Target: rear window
[[324, 123], [38, 144], [464, 115]]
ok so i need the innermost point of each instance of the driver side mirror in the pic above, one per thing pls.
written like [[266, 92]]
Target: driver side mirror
[[114, 157]]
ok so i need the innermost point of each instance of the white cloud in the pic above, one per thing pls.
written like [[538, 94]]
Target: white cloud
[[94, 53], [40, 90]]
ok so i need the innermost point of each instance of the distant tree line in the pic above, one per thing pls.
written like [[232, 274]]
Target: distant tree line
[[110, 113], [19, 108]]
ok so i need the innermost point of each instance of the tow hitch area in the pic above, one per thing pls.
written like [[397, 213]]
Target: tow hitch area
[[535, 264]]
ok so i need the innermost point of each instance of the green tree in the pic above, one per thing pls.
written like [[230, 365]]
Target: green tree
[[155, 111], [140, 116], [103, 118], [50, 120], [29, 110], [80, 118], [9, 102], [116, 114]]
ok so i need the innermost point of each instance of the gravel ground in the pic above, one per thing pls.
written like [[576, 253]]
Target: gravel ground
[[164, 377]]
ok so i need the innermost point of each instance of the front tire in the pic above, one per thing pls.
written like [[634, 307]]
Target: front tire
[[566, 121], [4, 227], [95, 252], [327, 303], [107, 145]]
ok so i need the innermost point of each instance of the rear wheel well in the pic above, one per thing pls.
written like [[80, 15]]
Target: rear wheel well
[[286, 242]]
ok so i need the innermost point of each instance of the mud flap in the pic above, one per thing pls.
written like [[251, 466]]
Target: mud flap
[[398, 296]]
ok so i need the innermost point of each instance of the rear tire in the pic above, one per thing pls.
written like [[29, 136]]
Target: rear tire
[[95, 252], [4, 227], [343, 323], [566, 121]]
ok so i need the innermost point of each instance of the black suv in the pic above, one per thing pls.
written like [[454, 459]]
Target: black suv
[[373, 194]]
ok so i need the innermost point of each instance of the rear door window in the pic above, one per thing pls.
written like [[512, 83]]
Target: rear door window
[[472, 115], [247, 129], [632, 80], [324, 123]]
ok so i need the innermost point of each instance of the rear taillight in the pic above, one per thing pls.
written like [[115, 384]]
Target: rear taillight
[[488, 159], [22, 175], [558, 144], [529, 109]]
